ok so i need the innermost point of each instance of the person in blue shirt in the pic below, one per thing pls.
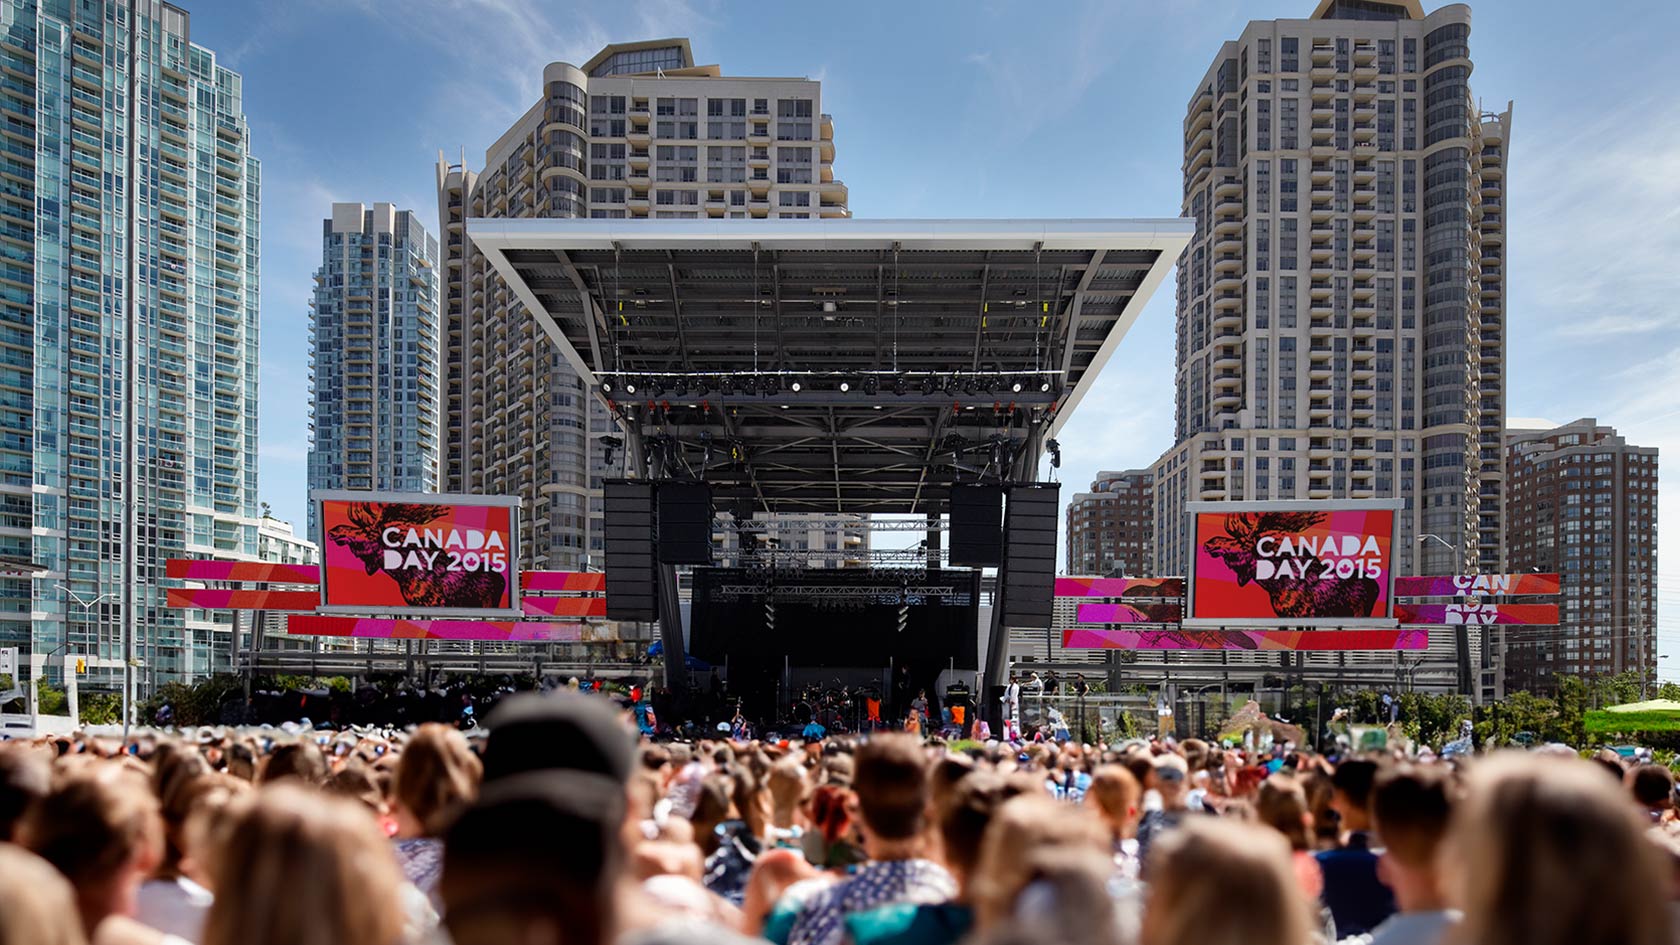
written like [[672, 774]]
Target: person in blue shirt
[[1357, 899]]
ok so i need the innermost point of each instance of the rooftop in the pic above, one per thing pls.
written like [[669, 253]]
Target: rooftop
[[837, 365]]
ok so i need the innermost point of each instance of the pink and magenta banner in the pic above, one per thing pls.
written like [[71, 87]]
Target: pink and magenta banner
[[1479, 615], [1458, 585], [1093, 638], [564, 606], [208, 569], [215, 598], [1163, 612], [1119, 587], [380, 629], [563, 581], [1285, 566]]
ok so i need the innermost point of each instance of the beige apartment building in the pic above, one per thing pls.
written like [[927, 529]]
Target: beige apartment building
[[637, 132], [1340, 318]]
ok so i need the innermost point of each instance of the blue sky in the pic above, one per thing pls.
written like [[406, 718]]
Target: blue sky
[[1008, 110]]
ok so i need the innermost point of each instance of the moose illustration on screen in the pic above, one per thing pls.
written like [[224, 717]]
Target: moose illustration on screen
[[1304, 575], [433, 566]]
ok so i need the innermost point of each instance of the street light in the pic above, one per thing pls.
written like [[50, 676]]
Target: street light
[[87, 619], [1461, 633]]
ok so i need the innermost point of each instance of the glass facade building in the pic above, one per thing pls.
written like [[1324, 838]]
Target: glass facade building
[[374, 351], [128, 332]]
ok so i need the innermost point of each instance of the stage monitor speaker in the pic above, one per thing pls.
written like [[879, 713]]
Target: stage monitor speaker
[[685, 523], [976, 526], [627, 511], [1028, 574]]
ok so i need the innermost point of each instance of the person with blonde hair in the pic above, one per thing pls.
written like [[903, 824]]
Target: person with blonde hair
[[1212, 882], [37, 905], [299, 867], [1548, 851], [1021, 828], [436, 776]]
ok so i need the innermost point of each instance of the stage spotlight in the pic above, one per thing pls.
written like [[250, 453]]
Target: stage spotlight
[[931, 385], [794, 387], [630, 387], [681, 387], [1044, 386], [606, 385], [726, 385], [658, 387], [871, 385], [701, 386], [901, 385], [1055, 453], [845, 386], [1016, 387], [969, 385]]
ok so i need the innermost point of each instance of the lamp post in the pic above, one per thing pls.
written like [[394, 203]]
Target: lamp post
[[1461, 633], [87, 619]]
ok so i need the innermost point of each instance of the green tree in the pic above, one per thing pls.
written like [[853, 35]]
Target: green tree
[[101, 708], [1574, 698], [1520, 713], [1432, 719]]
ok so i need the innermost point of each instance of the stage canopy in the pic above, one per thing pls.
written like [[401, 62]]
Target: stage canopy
[[836, 365]]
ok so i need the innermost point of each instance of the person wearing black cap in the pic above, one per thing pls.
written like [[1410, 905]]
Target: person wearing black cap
[[561, 731], [537, 859], [556, 775]]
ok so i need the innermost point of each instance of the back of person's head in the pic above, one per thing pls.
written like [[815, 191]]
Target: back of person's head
[[1065, 900], [712, 805], [1281, 804], [786, 782], [566, 731], [1021, 828], [1214, 882], [25, 777], [965, 815], [944, 776], [654, 758], [892, 786], [839, 770], [436, 774], [1354, 778], [299, 867], [301, 760], [37, 905], [181, 795], [242, 760], [1652, 786], [535, 859], [99, 826], [1546, 851], [1116, 793], [356, 781], [1411, 807]]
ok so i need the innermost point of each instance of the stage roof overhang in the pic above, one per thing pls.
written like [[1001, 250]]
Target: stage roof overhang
[[926, 352]]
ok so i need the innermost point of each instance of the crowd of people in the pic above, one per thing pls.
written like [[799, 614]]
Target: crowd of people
[[560, 826]]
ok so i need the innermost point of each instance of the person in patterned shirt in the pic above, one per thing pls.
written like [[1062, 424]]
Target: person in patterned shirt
[[892, 787]]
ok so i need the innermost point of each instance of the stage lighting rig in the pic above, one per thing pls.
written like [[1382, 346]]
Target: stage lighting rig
[[1016, 387], [845, 386], [630, 386], [871, 385], [901, 385], [1055, 453], [608, 444], [931, 385]]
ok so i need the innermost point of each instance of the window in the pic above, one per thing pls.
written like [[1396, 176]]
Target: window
[[793, 108], [794, 198], [1263, 54], [1290, 49]]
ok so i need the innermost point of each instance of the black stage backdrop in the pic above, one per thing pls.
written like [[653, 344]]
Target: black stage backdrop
[[815, 627]]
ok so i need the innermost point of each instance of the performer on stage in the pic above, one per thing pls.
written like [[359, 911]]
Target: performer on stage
[[1012, 711]]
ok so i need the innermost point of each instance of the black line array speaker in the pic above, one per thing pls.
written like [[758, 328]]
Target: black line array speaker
[[1029, 558], [685, 523], [628, 519], [976, 526]]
